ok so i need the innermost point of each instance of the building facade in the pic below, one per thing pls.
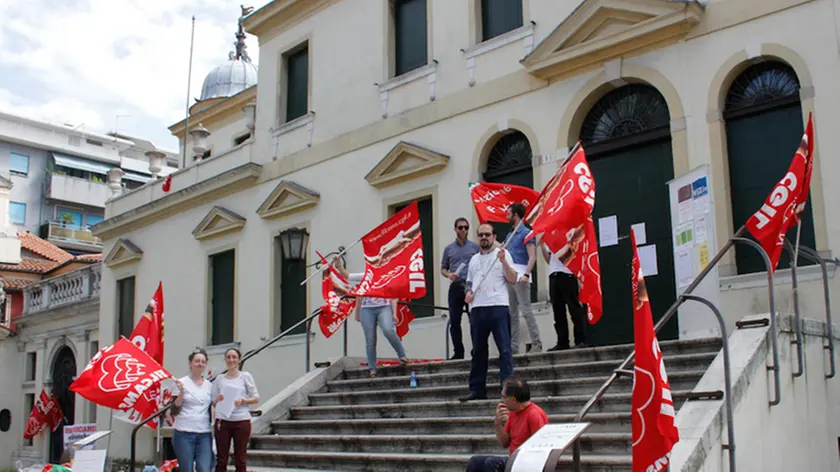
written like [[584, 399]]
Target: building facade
[[60, 177], [362, 108]]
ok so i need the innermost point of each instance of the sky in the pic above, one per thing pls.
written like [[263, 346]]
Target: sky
[[102, 65]]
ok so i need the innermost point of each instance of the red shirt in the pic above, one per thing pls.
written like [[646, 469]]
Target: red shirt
[[521, 425]]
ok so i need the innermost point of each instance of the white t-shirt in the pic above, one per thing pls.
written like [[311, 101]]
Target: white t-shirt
[[195, 407], [244, 387], [554, 265], [493, 291]]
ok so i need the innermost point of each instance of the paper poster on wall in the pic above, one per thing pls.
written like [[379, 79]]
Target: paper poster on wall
[[703, 255], [647, 259], [685, 204], [700, 229], [700, 194], [77, 432], [608, 231], [683, 263], [641, 235], [684, 235]]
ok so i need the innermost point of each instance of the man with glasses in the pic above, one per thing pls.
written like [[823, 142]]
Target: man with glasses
[[489, 272], [453, 266]]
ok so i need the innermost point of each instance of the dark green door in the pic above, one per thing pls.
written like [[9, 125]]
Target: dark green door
[[292, 294], [631, 183], [509, 162], [763, 130], [427, 228], [223, 267], [63, 374]]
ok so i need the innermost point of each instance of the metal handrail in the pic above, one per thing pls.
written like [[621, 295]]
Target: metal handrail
[[307, 321], [814, 256], [133, 454], [672, 310], [797, 319]]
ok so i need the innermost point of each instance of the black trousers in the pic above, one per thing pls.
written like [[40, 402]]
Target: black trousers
[[457, 306], [563, 290]]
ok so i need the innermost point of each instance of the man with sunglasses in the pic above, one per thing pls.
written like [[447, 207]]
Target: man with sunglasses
[[487, 277], [453, 266]]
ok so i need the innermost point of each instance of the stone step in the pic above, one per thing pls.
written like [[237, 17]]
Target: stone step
[[611, 402], [604, 443], [680, 380], [570, 356], [601, 422], [389, 462], [673, 363]]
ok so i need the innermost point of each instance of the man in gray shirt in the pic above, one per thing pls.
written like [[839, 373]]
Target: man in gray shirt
[[453, 266]]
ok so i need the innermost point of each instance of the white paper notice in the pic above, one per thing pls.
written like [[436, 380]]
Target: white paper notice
[[533, 454], [225, 407], [700, 229], [685, 204], [89, 461], [685, 266], [641, 236], [608, 230], [647, 259]]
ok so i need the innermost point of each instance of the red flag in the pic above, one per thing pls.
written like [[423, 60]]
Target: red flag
[[404, 317], [654, 433], [118, 376], [566, 201], [53, 415], [394, 258], [45, 412], [337, 308], [167, 183], [148, 334], [578, 251], [491, 200], [782, 207]]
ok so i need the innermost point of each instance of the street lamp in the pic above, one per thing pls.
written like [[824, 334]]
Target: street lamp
[[293, 243]]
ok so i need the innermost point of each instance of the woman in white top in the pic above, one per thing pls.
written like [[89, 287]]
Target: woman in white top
[[191, 438], [233, 417]]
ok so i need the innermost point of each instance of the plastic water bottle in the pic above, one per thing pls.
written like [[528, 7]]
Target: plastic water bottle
[[413, 379]]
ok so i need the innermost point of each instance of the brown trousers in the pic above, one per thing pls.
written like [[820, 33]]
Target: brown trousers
[[240, 432]]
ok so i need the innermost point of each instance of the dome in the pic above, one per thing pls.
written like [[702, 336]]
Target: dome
[[229, 79]]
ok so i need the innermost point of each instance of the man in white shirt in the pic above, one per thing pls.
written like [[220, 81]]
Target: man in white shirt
[[488, 274], [564, 291]]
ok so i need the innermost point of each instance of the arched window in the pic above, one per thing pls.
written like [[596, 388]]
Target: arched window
[[627, 112], [511, 154], [763, 129]]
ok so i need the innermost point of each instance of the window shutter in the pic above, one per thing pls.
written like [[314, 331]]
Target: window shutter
[[499, 16], [410, 35], [297, 90]]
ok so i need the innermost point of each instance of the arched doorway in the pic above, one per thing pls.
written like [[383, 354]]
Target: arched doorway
[[63, 372], [627, 139], [763, 118], [510, 162]]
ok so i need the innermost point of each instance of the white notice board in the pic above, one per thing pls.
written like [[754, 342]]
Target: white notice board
[[693, 235]]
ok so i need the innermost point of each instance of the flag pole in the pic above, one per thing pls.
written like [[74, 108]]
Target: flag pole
[[189, 79], [329, 263]]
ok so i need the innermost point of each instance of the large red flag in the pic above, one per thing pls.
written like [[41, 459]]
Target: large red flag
[[578, 251], [394, 258], [148, 334], [118, 376], [45, 412], [566, 201], [786, 202], [492, 200], [653, 414], [338, 307]]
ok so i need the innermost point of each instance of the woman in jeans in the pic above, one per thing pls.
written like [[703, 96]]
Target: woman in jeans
[[237, 424], [191, 437]]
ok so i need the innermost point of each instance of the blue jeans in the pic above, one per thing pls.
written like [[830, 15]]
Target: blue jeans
[[457, 304], [193, 449], [383, 316], [483, 321], [487, 464]]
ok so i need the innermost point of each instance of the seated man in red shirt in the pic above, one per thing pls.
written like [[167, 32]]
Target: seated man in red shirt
[[517, 419]]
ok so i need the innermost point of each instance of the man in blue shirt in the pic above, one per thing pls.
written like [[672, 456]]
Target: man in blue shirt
[[524, 258], [453, 266]]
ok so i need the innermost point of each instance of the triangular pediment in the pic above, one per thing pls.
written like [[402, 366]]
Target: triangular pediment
[[288, 197], [405, 162], [218, 221], [601, 30], [123, 252]]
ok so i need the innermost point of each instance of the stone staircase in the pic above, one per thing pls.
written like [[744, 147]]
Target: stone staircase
[[380, 424]]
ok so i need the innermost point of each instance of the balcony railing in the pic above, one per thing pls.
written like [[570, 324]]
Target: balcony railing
[[79, 285], [71, 236], [77, 190]]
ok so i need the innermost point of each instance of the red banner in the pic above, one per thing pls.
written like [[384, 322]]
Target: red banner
[[336, 310], [394, 258], [578, 251], [45, 412], [404, 318], [566, 201], [783, 206], [118, 376], [492, 200], [654, 433]]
